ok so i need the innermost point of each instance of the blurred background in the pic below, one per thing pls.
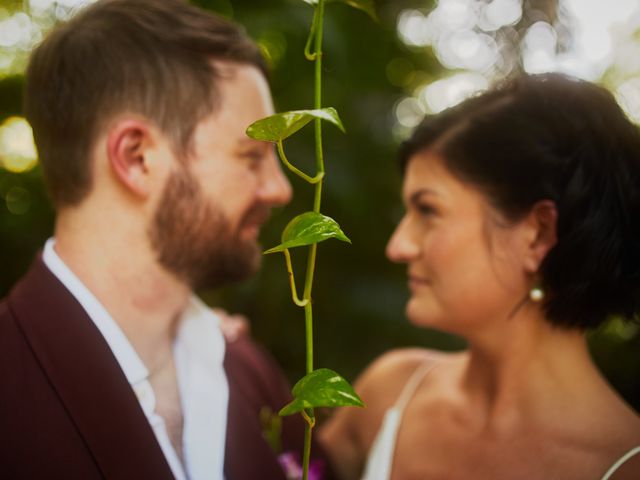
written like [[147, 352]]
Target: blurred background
[[421, 56]]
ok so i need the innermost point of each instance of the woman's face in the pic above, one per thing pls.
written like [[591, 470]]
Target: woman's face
[[463, 259]]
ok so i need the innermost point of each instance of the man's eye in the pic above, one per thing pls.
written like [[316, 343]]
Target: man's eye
[[253, 155], [253, 158]]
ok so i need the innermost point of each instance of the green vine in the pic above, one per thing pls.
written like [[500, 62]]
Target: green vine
[[319, 387]]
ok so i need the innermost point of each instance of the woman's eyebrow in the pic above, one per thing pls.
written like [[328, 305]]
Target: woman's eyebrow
[[415, 196]]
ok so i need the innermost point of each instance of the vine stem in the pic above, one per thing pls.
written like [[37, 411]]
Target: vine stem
[[297, 171], [311, 262], [292, 281], [309, 55], [307, 452], [318, 103], [317, 27]]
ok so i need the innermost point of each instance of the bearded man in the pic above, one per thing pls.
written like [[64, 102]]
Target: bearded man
[[110, 366]]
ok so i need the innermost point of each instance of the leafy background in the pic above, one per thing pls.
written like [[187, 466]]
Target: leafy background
[[359, 296]]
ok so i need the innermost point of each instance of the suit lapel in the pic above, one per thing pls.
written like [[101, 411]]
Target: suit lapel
[[87, 378], [247, 454]]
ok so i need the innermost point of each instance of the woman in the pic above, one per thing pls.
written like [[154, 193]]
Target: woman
[[521, 231]]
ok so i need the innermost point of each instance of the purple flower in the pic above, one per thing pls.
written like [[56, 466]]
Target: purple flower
[[292, 466]]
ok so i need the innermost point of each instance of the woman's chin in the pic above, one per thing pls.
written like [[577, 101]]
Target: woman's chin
[[421, 315], [428, 316]]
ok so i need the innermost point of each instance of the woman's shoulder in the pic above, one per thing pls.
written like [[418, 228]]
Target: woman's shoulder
[[623, 445], [349, 434], [385, 378]]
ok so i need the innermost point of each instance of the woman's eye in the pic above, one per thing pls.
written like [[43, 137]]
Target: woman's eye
[[425, 210]]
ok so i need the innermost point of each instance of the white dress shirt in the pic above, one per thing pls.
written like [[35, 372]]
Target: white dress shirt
[[204, 393]]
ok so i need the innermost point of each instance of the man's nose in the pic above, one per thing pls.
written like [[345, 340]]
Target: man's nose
[[275, 189]]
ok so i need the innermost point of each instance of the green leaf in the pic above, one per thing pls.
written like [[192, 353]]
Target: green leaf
[[282, 125], [309, 228], [321, 388], [366, 6]]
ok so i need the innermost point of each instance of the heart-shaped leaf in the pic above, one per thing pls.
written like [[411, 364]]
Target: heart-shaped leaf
[[366, 6], [321, 388], [282, 125], [309, 228]]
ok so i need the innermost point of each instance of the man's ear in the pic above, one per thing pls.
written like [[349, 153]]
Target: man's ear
[[128, 144], [541, 234]]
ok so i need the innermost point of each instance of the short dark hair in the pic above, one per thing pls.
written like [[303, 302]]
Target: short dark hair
[[551, 137], [152, 57]]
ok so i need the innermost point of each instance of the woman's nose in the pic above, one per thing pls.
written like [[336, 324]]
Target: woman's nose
[[402, 247]]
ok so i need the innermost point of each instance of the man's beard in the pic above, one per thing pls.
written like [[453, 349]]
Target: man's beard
[[193, 239]]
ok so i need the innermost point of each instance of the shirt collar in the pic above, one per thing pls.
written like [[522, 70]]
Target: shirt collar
[[129, 361], [199, 348], [198, 330]]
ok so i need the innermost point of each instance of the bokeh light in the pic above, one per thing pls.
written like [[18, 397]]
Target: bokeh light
[[447, 92], [21, 31], [15, 31], [628, 96], [499, 13], [485, 40], [17, 149], [18, 200], [539, 48]]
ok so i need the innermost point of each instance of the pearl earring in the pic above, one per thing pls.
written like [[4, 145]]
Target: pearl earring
[[536, 294]]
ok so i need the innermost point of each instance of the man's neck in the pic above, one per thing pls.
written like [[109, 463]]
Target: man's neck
[[144, 299]]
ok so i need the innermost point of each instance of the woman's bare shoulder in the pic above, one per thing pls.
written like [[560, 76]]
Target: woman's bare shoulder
[[390, 372], [348, 434]]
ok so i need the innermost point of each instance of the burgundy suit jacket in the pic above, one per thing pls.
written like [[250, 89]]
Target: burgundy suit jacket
[[68, 412]]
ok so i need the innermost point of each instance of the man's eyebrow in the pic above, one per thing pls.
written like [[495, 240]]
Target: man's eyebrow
[[246, 141]]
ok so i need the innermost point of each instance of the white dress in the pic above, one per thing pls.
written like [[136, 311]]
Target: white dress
[[380, 458]]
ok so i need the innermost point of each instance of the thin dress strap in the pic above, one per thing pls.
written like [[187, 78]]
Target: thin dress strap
[[621, 461], [412, 385], [380, 458]]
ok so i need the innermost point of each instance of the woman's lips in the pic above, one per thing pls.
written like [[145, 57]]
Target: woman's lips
[[416, 281]]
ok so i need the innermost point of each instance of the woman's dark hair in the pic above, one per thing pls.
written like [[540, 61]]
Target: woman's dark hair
[[550, 137]]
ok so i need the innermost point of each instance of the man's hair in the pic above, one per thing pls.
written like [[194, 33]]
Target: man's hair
[[150, 57]]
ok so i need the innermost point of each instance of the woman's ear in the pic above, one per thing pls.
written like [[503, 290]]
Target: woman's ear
[[541, 234], [128, 145]]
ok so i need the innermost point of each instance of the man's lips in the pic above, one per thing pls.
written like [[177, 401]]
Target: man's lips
[[257, 218]]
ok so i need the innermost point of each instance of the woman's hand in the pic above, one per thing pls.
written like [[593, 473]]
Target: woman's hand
[[232, 325]]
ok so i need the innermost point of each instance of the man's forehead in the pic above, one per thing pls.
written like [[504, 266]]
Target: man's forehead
[[225, 68], [248, 142]]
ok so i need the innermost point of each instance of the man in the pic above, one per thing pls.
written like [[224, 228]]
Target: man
[[110, 367]]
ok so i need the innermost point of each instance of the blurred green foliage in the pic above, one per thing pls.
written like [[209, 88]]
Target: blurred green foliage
[[359, 295]]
